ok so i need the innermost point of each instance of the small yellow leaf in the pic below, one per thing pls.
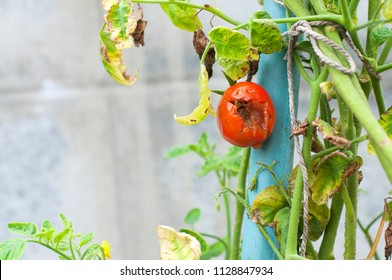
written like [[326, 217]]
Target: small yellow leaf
[[204, 108], [177, 245]]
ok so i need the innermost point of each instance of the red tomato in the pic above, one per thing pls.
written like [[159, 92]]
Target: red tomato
[[246, 115]]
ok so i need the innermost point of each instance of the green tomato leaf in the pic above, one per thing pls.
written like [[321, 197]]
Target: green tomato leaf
[[214, 250], [233, 51], [211, 164], [183, 17], [85, 239], [47, 231], [232, 159], [266, 204], [178, 151], [229, 163], [261, 15], [204, 148], [12, 249], [61, 235], [46, 234], [193, 216], [386, 123], [112, 60], [319, 218], [265, 35], [24, 228], [46, 224], [203, 243], [66, 223], [231, 44], [204, 108], [234, 69], [63, 246], [379, 35], [329, 173], [177, 245], [93, 252], [280, 224], [320, 212], [121, 23]]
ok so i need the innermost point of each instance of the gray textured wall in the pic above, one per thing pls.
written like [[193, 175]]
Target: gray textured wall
[[75, 142]]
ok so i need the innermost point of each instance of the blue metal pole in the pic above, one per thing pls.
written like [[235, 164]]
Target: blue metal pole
[[272, 75]]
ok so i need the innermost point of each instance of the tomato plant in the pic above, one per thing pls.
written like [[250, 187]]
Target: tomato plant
[[309, 201], [246, 115]]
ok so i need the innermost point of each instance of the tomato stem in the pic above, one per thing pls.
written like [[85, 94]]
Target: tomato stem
[[206, 7], [239, 216]]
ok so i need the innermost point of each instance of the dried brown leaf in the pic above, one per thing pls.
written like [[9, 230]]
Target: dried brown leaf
[[253, 68], [316, 147], [300, 129], [330, 134], [138, 34], [200, 42]]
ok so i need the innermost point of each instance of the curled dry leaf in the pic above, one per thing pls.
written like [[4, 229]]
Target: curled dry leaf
[[330, 134], [200, 42], [253, 68], [316, 147], [138, 34], [300, 129], [121, 30]]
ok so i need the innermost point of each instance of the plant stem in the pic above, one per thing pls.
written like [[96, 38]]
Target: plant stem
[[312, 114], [329, 238], [206, 7], [292, 235], [350, 226], [384, 67], [241, 189], [226, 199], [378, 94], [348, 23], [371, 23], [51, 248], [270, 241], [328, 17]]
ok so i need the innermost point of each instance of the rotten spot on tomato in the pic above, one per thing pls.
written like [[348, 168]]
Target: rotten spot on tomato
[[246, 115], [253, 114]]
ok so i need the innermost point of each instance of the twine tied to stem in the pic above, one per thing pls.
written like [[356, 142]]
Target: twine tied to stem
[[305, 27]]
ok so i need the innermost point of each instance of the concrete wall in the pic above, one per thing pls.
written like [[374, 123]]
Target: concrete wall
[[72, 141]]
